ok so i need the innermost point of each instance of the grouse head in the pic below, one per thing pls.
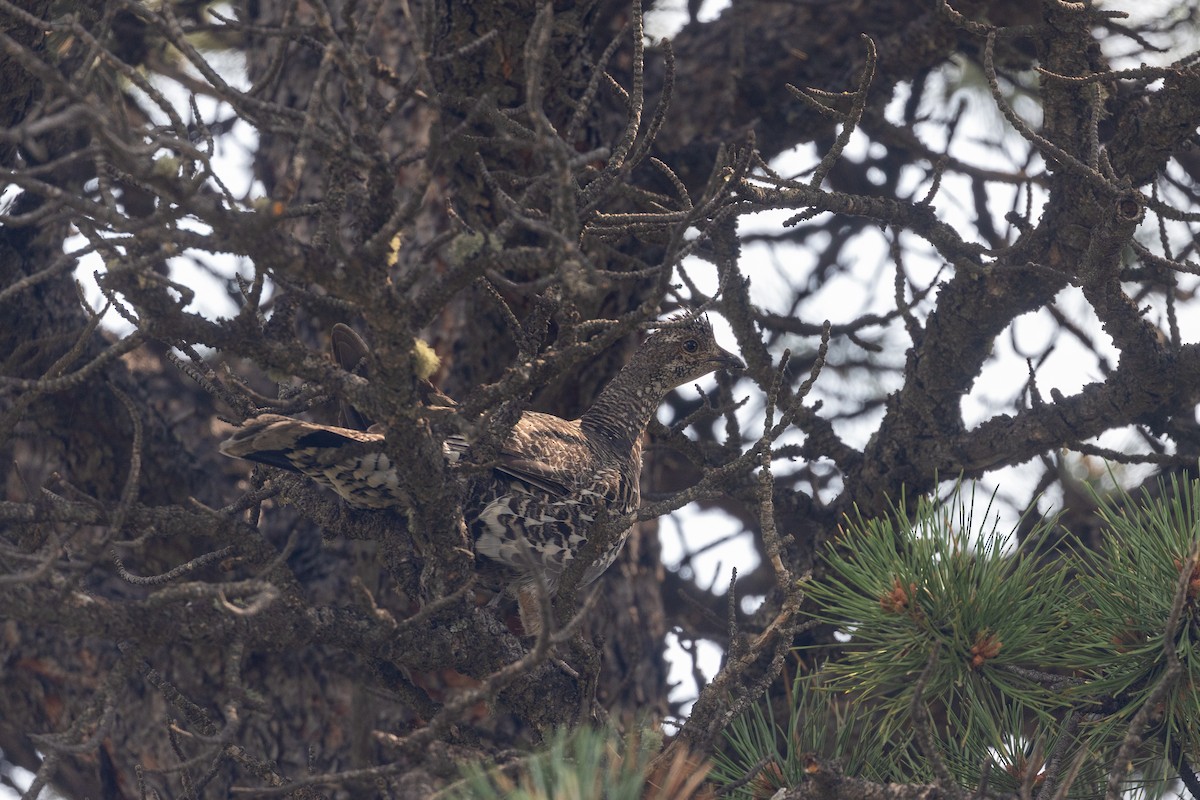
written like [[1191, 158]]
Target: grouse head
[[683, 351]]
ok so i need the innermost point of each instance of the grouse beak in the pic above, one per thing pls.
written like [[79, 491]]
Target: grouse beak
[[726, 360]]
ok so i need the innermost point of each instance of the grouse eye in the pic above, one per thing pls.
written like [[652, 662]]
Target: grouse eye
[[691, 346]]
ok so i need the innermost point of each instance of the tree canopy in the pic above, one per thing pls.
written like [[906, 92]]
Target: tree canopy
[[884, 206]]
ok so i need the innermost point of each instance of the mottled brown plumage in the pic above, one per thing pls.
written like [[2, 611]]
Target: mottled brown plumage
[[553, 478]]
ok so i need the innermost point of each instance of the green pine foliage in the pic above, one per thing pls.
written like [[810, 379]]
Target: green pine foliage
[[820, 725], [1143, 627], [590, 763], [936, 586], [970, 659], [1005, 669]]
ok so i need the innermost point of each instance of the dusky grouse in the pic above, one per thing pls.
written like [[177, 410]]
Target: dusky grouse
[[550, 482]]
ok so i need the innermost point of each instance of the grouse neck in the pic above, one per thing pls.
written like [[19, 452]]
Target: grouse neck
[[623, 409]]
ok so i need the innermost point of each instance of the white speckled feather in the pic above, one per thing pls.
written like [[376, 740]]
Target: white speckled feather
[[552, 479]]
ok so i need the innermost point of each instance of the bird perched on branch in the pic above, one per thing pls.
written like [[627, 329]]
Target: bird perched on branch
[[551, 482]]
